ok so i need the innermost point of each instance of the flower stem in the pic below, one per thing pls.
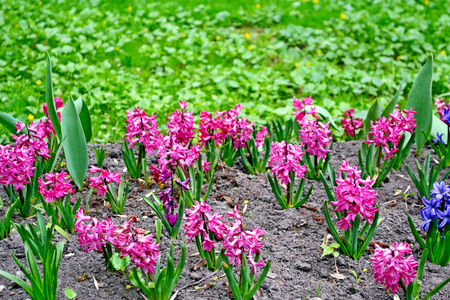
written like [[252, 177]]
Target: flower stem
[[403, 285]]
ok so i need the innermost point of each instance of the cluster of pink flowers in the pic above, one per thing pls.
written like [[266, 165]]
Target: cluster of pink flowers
[[387, 132], [16, 166], [441, 105], [238, 242], [354, 195], [315, 136], [36, 139], [226, 123], [141, 129], [181, 125], [390, 265], [235, 241], [260, 135], [351, 124], [126, 239], [55, 186], [285, 158], [132, 241], [101, 182]]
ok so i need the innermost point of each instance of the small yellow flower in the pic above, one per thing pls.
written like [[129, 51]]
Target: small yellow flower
[[17, 25], [196, 288], [40, 3], [343, 16], [38, 82], [296, 65], [247, 35], [215, 278], [184, 35], [30, 117], [399, 57], [308, 64], [426, 2], [128, 286], [130, 8], [250, 47], [442, 52], [316, 2], [117, 48], [319, 52], [258, 6], [217, 38], [364, 270]]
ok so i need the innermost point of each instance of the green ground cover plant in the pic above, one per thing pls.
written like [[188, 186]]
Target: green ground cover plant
[[215, 54]]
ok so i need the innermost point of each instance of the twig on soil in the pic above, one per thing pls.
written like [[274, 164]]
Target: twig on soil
[[196, 283]]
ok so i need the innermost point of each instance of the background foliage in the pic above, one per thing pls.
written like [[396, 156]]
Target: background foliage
[[214, 54]]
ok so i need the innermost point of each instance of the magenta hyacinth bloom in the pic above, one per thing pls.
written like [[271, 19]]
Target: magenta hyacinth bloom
[[260, 135], [387, 132], [56, 186], [181, 125], [92, 233], [285, 158], [16, 166], [101, 182], [354, 195], [441, 105], [390, 265], [141, 129], [351, 124]]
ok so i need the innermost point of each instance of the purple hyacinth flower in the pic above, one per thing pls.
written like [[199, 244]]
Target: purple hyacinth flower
[[439, 139], [446, 116], [440, 191], [425, 214], [183, 184], [445, 216]]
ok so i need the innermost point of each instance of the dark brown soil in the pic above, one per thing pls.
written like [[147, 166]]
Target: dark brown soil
[[292, 241]]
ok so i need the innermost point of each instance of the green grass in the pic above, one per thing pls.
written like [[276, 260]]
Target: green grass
[[161, 52]]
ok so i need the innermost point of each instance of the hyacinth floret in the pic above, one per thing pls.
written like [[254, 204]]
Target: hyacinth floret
[[133, 241], [55, 186], [285, 158], [16, 166], [351, 124], [437, 208], [315, 137], [181, 125], [92, 233], [260, 135], [141, 129], [387, 132], [441, 105], [101, 181], [391, 265], [354, 195], [126, 239]]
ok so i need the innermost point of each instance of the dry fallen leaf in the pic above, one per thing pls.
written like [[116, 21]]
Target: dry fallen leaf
[[337, 276], [272, 275], [199, 264], [95, 282], [82, 278]]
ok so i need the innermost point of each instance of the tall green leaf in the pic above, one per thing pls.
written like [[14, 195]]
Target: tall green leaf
[[373, 115], [50, 100], [74, 143], [85, 118], [9, 122], [440, 127], [420, 100], [391, 106]]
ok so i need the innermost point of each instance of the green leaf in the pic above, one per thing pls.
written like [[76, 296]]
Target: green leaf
[[85, 118], [120, 263], [70, 294], [324, 113], [50, 100], [74, 143], [438, 126], [62, 232], [9, 122], [420, 100], [390, 108], [373, 115]]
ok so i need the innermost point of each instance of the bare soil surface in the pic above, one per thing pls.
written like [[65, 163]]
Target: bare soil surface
[[292, 240]]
